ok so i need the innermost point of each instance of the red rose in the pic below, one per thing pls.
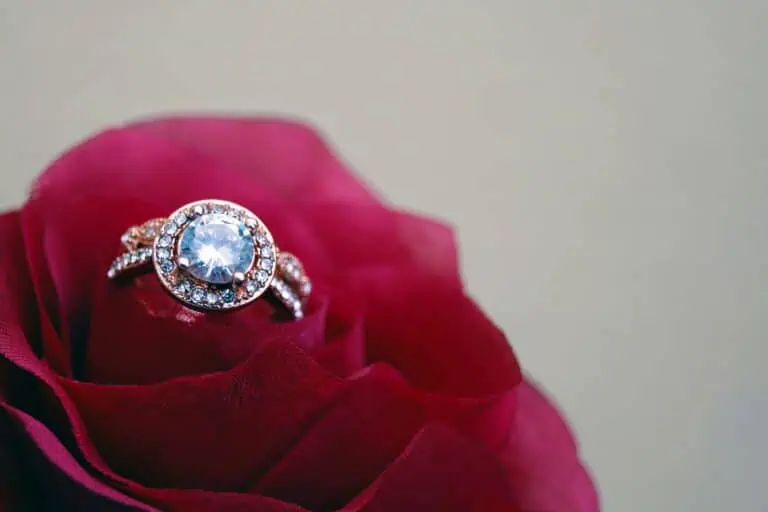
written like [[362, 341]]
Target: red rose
[[394, 393]]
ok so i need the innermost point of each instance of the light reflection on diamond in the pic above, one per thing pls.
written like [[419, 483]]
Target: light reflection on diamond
[[216, 246]]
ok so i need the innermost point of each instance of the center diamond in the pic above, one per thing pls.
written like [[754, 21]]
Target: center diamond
[[216, 247]]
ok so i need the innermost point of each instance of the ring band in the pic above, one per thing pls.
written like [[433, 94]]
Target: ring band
[[214, 255]]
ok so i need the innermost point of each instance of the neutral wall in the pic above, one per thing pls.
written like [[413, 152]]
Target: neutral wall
[[604, 162]]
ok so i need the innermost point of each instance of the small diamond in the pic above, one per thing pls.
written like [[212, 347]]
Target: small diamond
[[170, 228], [134, 257], [261, 238], [266, 264], [212, 298], [198, 210], [163, 254], [183, 288], [164, 241], [198, 295], [228, 295], [305, 288], [166, 266], [266, 252], [180, 218], [262, 276], [251, 287]]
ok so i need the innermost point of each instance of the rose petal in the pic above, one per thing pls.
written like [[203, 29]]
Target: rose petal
[[436, 336], [176, 433], [206, 501], [49, 476], [365, 429], [17, 352], [18, 301], [356, 236], [167, 340], [439, 470], [343, 350], [542, 457]]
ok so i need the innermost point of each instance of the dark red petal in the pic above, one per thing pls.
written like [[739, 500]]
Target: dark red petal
[[439, 470], [178, 433], [543, 461], [354, 236], [343, 350], [49, 476], [436, 336], [488, 421], [69, 486], [365, 429], [183, 500], [139, 334], [18, 300]]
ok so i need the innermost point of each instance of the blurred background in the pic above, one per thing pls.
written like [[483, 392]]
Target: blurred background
[[603, 162]]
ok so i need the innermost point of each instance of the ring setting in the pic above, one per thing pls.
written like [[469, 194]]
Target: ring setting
[[214, 255]]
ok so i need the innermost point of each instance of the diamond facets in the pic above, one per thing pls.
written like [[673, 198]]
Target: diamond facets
[[214, 255], [216, 247]]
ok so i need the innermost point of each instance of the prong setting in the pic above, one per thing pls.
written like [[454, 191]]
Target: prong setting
[[184, 279]]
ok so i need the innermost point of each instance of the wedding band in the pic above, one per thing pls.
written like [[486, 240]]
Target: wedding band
[[214, 255]]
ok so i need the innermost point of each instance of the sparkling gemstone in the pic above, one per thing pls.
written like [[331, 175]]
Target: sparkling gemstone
[[164, 241], [217, 246], [262, 276], [228, 295], [166, 266], [198, 295], [265, 264], [212, 298], [183, 288], [266, 252], [180, 218], [170, 228], [252, 287], [163, 254]]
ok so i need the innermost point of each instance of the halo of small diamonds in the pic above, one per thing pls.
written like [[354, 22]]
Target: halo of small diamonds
[[174, 271]]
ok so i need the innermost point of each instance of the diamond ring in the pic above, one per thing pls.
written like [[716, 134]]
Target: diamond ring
[[214, 255]]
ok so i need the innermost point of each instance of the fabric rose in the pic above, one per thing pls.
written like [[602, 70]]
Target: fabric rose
[[394, 393]]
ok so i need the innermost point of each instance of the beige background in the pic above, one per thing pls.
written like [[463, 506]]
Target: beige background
[[604, 162]]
